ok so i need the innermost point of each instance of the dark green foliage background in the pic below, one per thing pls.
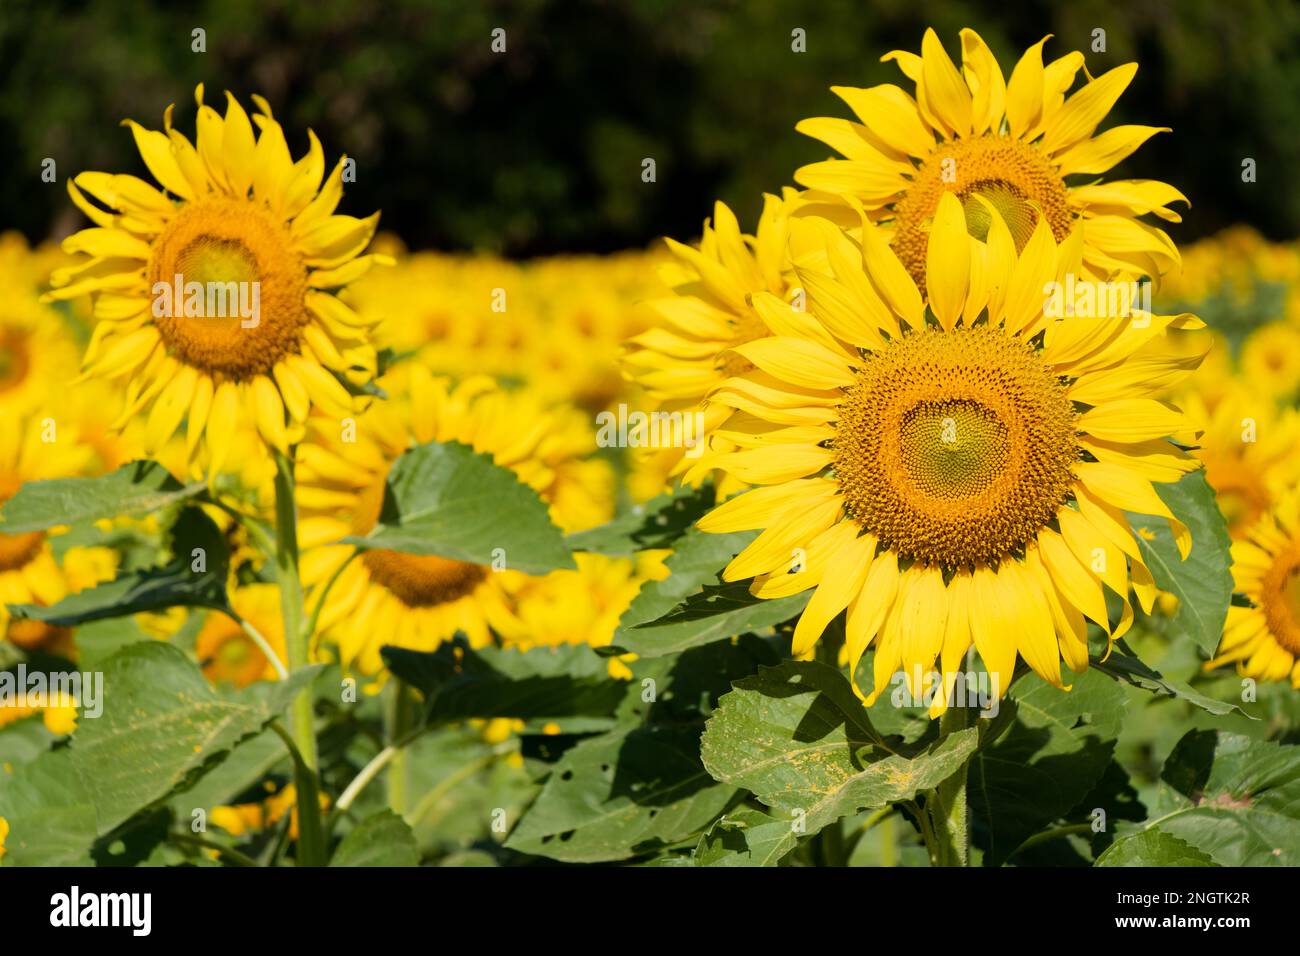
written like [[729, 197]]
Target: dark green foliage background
[[539, 150]]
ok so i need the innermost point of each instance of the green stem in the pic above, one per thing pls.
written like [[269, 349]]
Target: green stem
[[888, 840], [297, 643], [946, 805], [400, 705], [311, 833]]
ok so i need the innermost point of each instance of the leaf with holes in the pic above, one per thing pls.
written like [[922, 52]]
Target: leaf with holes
[[620, 795], [163, 726], [798, 739]]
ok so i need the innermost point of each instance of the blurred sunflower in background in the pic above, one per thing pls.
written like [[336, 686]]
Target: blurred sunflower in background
[[32, 570], [942, 475], [234, 210], [419, 601], [1263, 640], [1004, 146], [224, 648], [1251, 450]]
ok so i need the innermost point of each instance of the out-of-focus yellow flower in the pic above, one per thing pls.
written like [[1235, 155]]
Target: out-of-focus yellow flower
[[1270, 360], [30, 572], [1264, 641], [58, 711], [243, 818], [227, 653], [1251, 450]]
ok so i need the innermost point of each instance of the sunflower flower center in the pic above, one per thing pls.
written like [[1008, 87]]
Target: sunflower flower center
[[249, 281], [416, 580], [1280, 597], [1011, 176], [955, 448]]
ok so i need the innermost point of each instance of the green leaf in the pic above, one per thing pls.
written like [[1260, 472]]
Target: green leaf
[[139, 487], [746, 837], [622, 794], [163, 726], [459, 682], [656, 524], [798, 739], [1153, 848], [1055, 748], [1125, 666], [692, 606], [50, 813], [175, 584], [1234, 799], [449, 500], [380, 840], [1203, 582]]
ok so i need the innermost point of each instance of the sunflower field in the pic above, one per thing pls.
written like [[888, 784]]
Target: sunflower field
[[935, 503]]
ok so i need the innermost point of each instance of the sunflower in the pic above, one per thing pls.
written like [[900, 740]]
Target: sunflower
[[687, 353], [37, 347], [1270, 360], [417, 601], [958, 476], [227, 653], [235, 215], [1264, 640], [1012, 144], [30, 570], [1251, 451]]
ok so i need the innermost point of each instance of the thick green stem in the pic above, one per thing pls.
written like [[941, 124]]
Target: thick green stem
[[297, 644], [946, 805], [400, 705]]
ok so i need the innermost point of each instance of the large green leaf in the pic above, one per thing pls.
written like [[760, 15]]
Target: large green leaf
[[1234, 799], [449, 500], [383, 839], [50, 813], [175, 584], [1055, 748], [1153, 848], [1203, 582], [656, 524], [798, 739], [459, 683], [692, 606], [139, 487], [622, 794], [163, 726]]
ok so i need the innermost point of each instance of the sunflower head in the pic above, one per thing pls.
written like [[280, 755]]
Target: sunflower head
[[1007, 147], [216, 289], [954, 468], [1263, 640]]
